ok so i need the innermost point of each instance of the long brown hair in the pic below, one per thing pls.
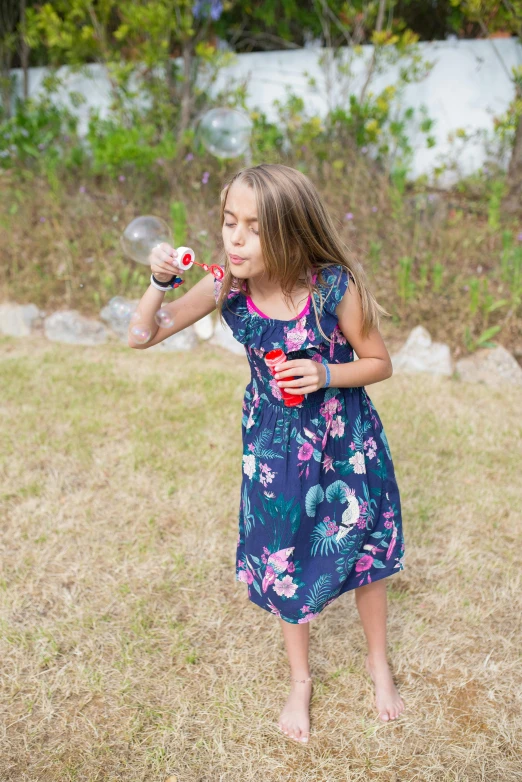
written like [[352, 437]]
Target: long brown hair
[[297, 236]]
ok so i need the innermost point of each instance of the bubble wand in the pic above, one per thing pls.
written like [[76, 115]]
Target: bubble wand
[[186, 259]]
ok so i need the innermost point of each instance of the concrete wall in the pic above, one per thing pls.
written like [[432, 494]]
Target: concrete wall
[[465, 88]]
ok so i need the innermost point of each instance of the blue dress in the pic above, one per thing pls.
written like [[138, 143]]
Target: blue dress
[[320, 510]]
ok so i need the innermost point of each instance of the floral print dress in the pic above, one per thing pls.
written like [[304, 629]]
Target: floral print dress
[[320, 510]]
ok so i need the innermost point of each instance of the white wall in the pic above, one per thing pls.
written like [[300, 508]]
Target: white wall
[[466, 87]]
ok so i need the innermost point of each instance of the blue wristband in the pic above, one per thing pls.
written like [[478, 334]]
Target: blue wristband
[[325, 364]]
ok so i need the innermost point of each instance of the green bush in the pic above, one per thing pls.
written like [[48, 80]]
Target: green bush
[[115, 148], [38, 136]]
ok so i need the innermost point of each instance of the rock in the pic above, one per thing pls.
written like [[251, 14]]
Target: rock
[[224, 338], [490, 366], [420, 354], [204, 328], [117, 324], [183, 340], [18, 320], [72, 328]]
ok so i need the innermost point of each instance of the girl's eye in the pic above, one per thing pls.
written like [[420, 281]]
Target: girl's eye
[[231, 225]]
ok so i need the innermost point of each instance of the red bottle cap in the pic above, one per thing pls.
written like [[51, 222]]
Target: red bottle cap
[[274, 357]]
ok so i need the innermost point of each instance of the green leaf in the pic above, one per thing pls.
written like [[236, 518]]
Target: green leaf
[[497, 305], [295, 518], [344, 467], [314, 496], [336, 492], [487, 334]]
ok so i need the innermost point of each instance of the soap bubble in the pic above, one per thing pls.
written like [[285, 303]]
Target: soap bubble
[[142, 235], [120, 308], [140, 334], [164, 318], [225, 132]]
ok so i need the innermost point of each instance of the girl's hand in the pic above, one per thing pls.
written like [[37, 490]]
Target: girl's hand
[[313, 376], [162, 262]]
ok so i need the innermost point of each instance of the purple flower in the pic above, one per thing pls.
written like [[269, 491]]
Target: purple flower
[[364, 150], [305, 452], [205, 8], [519, 237], [431, 197], [348, 216], [81, 189], [160, 161], [304, 148], [205, 177], [364, 563], [189, 157], [121, 178], [42, 219], [374, 209], [41, 146]]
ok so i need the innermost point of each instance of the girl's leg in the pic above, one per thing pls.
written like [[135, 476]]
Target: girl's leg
[[372, 606], [294, 719]]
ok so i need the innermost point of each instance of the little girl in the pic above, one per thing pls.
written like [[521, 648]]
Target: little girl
[[320, 510]]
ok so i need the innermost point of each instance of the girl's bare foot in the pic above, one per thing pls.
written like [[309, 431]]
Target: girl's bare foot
[[294, 720], [387, 698]]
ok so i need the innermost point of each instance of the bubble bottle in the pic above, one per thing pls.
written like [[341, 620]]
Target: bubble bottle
[[273, 359]]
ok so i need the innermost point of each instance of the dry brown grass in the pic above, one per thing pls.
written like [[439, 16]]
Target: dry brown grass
[[128, 650]]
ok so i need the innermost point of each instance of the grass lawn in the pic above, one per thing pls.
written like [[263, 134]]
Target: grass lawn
[[128, 651]]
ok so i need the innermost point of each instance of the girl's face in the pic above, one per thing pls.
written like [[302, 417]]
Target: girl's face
[[241, 233]]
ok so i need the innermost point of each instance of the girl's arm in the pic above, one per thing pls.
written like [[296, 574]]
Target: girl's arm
[[374, 362], [194, 305]]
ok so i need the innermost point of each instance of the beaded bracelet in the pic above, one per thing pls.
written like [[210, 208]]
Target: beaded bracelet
[[326, 366]]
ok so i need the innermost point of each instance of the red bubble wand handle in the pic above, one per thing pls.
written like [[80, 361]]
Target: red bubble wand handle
[[186, 259], [273, 359]]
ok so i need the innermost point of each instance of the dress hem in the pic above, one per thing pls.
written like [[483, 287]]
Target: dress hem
[[328, 602]]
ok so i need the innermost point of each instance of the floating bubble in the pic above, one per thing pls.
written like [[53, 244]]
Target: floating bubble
[[142, 235], [120, 308], [140, 334], [164, 318], [225, 132]]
